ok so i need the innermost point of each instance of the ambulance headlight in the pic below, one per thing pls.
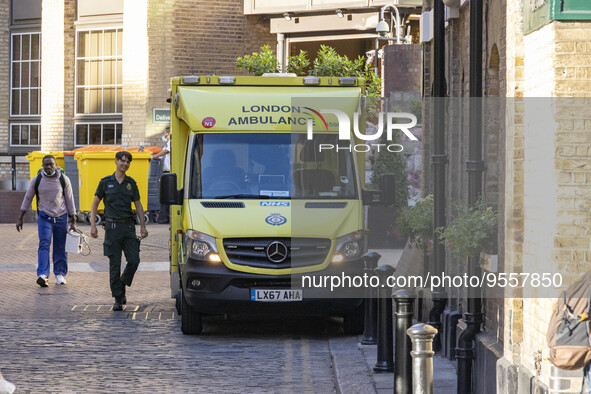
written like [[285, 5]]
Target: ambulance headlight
[[349, 247], [200, 246]]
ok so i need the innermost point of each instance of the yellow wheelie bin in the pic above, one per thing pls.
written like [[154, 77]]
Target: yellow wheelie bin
[[93, 166], [36, 163]]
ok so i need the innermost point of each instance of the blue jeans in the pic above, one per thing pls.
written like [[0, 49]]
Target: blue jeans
[[56, 227], [586, 379]]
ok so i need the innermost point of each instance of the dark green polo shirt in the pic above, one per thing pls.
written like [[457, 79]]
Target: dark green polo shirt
[[118, 196]]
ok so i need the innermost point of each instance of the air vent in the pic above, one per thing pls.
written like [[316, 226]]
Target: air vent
[[326, 205], [212, 204]]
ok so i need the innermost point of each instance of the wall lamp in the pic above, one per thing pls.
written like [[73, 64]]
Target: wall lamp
[[339, 12], [287, 16]]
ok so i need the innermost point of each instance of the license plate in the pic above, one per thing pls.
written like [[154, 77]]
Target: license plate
[[275, 295]]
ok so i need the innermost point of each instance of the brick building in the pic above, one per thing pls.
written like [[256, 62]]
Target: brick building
[[79, 72], [86, 72], [536, 135]]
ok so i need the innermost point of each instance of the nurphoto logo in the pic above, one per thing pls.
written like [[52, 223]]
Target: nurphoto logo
[[344, 124]]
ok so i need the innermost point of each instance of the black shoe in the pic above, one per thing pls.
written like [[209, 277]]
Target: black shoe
[[123, 297], [118, 305], [42, 281]]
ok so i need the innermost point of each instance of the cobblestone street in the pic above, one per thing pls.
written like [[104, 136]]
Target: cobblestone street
[[67, 339]]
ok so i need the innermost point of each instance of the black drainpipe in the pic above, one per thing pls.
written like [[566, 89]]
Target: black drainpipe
[[439, 161], [465, 352]]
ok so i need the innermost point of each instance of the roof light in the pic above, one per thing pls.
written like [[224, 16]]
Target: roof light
[[192, 79], [279, 75], [226, 80], [347, 81], [311, 81]]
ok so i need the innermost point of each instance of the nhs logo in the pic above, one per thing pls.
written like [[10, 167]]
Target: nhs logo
[[274, 203]]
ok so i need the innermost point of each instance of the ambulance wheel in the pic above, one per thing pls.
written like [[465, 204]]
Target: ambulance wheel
[[353, 321], [191, 321]]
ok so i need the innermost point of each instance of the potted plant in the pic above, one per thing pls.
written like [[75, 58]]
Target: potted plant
[[416, 224], [471, 232]]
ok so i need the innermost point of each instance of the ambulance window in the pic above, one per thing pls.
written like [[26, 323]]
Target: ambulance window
[[195, 184], [271, 166]]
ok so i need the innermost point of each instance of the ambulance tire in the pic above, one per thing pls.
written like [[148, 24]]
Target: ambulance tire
[[353, 322], [191, 321]]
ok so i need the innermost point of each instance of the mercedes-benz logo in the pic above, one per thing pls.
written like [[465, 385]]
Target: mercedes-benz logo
[[277, 252]]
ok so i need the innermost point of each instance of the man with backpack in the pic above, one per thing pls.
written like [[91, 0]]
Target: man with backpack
[[55, 202], [568, 334]]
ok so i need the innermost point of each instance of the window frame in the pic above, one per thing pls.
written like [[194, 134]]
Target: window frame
[[20, 124], [29, 119], [117, 57], [29, 61], [117, 124]]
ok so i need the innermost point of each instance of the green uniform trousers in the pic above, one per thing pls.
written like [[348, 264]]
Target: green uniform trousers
[[121, 237]]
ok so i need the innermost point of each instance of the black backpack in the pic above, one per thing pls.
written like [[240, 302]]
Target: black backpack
[[38, 181]]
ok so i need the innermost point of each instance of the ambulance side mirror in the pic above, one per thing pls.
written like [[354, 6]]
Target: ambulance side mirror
[[369, 197], [383, 197], [169, 194]]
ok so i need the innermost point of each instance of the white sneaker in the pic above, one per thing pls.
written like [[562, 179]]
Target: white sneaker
[[60, 280], [6, 387]]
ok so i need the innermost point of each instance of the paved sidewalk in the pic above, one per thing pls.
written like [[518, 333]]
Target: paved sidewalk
[[86, 301], [354, 364], [88, 278]]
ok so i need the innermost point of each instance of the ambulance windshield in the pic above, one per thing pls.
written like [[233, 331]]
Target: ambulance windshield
[[271, 166]]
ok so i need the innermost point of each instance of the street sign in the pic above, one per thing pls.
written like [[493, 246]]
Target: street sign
[[161, 115]]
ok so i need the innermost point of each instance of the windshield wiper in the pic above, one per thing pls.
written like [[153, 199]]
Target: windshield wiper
[[253, 196]]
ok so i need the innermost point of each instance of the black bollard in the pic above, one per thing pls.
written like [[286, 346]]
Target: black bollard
[[439, 301], [385, 361], [370, 337], [405, 300]]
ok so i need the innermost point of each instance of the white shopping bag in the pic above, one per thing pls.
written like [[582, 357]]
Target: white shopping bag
[[73, 242]]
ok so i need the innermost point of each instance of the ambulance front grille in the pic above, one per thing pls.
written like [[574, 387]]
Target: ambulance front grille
[[254, 252]]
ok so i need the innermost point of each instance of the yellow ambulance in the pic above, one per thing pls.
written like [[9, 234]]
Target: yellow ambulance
[[266, 191]]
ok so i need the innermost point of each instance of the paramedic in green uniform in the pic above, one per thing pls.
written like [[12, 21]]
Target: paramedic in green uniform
[[118, 192]]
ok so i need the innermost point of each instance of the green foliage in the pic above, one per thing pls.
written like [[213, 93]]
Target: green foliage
[[373, 82], [472, 231], [297, 64], [388, 162], [416, 108], [416, 223], [328, 63], [259, 62]]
